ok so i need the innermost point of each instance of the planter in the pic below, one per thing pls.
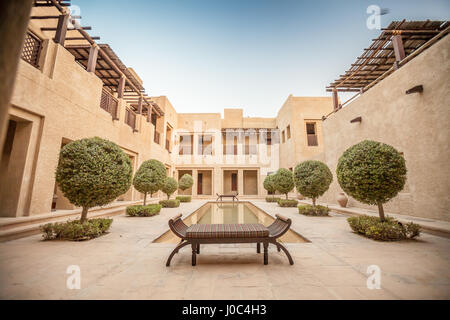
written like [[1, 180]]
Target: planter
[[342, 199]]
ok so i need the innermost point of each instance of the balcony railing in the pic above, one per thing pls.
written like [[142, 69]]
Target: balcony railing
[[157, 137], [312, 140], [109, 104], [32, 49], [130, 119]]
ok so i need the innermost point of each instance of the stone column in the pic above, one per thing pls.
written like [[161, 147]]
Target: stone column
[[194, 186], [241, 181]]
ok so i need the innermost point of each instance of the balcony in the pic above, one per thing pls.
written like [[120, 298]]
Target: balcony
[[32, 49], [130, 119], [109, 104]]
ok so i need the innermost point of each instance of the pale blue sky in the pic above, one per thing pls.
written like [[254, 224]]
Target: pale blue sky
[[214, 54]]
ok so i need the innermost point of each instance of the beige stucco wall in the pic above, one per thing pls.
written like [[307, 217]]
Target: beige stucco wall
[[296, 112], [63, 101], [415, 124]]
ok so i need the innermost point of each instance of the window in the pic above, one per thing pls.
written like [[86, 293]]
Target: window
[[205, 145], [32, 49], [234, 184], [250, 143], [311, 134], [186, 147], [283, 137], [230, 143], [288, 131]]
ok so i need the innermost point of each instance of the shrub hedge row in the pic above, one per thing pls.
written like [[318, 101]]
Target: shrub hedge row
[[184, 198], [173, 203], [387, 230], [143, 211], [309, 210], [75, 230], [287, 203]]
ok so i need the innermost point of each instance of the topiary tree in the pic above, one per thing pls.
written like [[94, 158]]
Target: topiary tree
[[312, 178], [269, 184], [186, 182], [372, 172], [284, 181], [170, 186], [93, 172], [150, 177]]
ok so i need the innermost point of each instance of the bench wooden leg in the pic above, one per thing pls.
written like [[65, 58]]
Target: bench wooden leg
[[258, 247], [280, 246], [198, 248], [194, 254], [181, 245], [266, 253]]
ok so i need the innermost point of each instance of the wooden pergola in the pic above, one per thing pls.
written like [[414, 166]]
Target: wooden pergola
[[396, 45], [97, 58]]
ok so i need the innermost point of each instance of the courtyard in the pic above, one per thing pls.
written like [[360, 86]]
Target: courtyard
[[126, 264]]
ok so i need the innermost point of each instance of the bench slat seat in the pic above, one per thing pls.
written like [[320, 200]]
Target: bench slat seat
[[198, 234], [222, 231]]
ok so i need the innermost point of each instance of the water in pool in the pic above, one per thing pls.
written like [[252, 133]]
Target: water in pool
[[227, 213]]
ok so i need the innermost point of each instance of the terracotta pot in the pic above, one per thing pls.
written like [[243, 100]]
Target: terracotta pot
[[342, 199]]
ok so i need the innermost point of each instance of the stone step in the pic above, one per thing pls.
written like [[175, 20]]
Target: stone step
[[16, 228], [431, 226]]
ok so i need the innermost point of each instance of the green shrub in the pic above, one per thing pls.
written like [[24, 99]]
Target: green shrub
[[372, 172], [76, 230], [284, 181], [170, 203], [312, 179], [185, 182], [143, 211], [387, 230], [309, 210], [269, 185], [169, 187], [150, 177], [93, 172], [287, 203], [272, 199], [184, 198]]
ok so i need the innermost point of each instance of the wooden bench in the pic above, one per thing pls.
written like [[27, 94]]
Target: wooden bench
[[198, 234], [221, 196]]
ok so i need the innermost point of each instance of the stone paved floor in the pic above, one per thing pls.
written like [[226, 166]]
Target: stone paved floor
[[125, 264]]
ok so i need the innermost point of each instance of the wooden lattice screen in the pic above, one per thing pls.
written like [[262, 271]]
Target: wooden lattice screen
[[109, 103], [130, 118], [31, 49]]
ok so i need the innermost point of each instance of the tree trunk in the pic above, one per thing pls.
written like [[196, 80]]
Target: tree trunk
[[286, 196], [84, 214], [168, 197], [381, 211], [145, 198], [314, 202]]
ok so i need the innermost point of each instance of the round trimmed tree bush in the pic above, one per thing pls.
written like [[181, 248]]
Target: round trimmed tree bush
[[312, 179], [284, 181], [269, 184], [150, 177], [186, 182], [372, 173], [170, 186], [93, 172]]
